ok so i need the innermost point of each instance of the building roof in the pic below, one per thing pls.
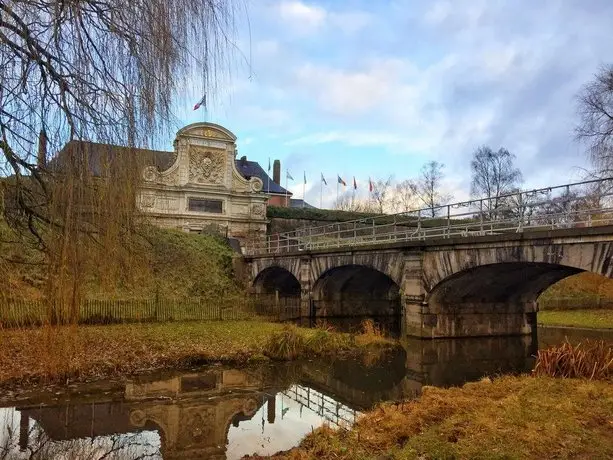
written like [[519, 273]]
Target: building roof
[[298, 203], [98, 155], [252, 168]]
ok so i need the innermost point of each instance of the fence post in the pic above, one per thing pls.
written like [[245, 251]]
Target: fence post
[[448, 221], [521, 212]]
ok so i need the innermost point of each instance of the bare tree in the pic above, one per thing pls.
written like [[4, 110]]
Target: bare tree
[[493, 174], [381, 194], [595, 128], [429, 186], [95, 70], [347, 202], [405, 197]]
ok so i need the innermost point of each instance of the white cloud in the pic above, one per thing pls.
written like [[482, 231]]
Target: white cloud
[[350, 22], [351, 138], [302, 16]]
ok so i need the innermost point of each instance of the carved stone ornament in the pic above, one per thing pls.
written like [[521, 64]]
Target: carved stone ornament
[[150, 174], [257, 209], [138, 418], [147, 201], [205, 167], [256, 184]]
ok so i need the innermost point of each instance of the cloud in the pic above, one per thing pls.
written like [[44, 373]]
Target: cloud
[[386, 86], [351, 138], [302, 16]]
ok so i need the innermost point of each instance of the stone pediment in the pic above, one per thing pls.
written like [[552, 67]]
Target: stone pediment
[[210, 131]]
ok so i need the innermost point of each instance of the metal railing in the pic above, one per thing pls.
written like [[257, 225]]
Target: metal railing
[[332, 411], [580, 204]]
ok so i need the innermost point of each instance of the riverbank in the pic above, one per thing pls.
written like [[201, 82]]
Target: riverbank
[[593, 319], [509, 417], [85, 353]]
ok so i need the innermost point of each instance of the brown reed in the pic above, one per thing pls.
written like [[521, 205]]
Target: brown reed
[[591, 360]]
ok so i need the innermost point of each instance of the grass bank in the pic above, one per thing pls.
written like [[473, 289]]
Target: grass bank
[[598, 319], [510, 417], [62, 354]]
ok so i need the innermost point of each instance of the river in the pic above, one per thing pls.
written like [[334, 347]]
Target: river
[[220, 412]]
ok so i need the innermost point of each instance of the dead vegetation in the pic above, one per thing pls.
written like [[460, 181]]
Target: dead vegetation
[[293, 343], [592, 360], [82, 353], [510, 417]]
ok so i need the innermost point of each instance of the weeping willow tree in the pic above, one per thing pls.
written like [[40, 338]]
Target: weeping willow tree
[[106, 71]]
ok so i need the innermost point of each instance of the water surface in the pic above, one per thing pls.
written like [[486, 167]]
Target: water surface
[[220, 412]]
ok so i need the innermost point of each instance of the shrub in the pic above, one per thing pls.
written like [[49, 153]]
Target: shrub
[[285, 345], [369, 328]]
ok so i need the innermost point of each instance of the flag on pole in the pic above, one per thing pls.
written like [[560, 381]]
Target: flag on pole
[[370, 187], [201, 102], [355, 184], [268, 164], [305, 177], [341, 181], [289, 176], [323, 179]]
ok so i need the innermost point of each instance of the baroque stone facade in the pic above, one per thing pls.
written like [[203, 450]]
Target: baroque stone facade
[[202, 186]]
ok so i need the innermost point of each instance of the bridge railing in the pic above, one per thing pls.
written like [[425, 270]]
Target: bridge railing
[[581, 204]]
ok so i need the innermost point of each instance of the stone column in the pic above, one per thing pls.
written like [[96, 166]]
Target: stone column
[[415, 318], [305, 286]]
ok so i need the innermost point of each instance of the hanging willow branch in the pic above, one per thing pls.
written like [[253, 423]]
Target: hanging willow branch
[[99, 70]]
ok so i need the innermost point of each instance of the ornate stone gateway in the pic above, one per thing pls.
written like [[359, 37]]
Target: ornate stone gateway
[[199, 186]]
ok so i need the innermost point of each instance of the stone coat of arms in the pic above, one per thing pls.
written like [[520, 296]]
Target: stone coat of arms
[[206, 167]]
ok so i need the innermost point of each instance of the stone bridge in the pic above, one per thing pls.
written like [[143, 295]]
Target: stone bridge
[[452, 287]]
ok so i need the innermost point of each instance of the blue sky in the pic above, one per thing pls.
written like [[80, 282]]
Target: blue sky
[[377, 88]]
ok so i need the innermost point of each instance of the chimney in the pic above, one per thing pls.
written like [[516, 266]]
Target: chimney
[[276, 172], [41, 159], [243, 161]]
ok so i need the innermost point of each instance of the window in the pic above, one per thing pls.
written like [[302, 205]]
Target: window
[[205, 205]]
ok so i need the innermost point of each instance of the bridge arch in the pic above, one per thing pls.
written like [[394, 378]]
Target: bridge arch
[[516, 285], [355, 290], [594, 257], [276, 280]]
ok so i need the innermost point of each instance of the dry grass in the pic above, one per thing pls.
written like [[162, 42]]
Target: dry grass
[[58, 354], [511, 418], [592, 360], [598, 319], [88, 352], [292, 343]]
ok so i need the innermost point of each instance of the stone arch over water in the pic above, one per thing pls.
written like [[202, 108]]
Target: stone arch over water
[[356, 290]]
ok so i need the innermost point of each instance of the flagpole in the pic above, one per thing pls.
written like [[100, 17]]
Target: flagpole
[[337, 191], [321, 194], [303, 188], [286, 191]]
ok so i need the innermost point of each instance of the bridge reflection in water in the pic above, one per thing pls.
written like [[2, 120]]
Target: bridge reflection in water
[[226, 413]]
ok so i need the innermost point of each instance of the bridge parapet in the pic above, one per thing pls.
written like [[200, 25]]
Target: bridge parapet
[[576, 205]]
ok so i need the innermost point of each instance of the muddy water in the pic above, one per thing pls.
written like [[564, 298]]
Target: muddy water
[[220, 412]]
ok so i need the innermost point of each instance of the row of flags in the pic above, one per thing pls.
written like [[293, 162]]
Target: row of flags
[[339, 179]]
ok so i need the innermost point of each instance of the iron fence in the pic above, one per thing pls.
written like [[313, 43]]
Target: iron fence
[[585, 302], [581, 204], [23, 313]]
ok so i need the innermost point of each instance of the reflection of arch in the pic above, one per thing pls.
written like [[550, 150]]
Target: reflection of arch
[[512, 286], [353, 290], [277, 279]]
